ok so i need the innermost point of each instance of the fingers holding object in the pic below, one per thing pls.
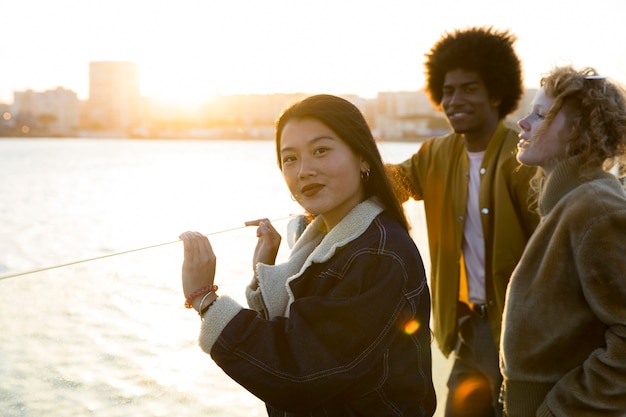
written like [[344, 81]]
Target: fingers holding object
[[196, 245], [264, 225], [258, 222]]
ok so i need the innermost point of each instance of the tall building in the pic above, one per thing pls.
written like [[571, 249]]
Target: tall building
[[114, 98]]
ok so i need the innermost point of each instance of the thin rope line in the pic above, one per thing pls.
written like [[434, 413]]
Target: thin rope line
[[95, 258]]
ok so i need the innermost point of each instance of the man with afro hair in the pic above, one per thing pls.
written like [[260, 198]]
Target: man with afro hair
[[475, 198]]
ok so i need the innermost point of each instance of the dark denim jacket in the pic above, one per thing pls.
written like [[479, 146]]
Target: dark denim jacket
[[356, 341]]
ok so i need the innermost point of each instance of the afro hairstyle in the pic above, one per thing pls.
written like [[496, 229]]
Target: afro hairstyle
[[483, 50]]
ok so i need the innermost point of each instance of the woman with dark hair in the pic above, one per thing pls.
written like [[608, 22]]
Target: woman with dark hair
[[342, 327], [564, 327]]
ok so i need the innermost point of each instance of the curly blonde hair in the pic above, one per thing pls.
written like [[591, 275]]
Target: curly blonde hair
[[596, 106]]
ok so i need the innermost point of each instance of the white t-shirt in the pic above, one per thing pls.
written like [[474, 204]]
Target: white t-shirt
[[473, 239]]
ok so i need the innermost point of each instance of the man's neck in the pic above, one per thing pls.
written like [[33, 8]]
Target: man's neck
[[477, 141]]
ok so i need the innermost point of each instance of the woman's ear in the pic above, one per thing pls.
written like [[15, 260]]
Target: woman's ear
[[365, 166]]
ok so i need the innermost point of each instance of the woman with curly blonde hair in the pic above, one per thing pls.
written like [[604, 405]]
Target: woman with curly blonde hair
[[564, 327]]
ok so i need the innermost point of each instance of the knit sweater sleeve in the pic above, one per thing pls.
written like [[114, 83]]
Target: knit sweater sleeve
[[598, 386]]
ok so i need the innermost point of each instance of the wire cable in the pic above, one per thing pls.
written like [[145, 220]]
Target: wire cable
[[95, 258]]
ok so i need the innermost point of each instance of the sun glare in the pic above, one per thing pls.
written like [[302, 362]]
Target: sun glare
[[192, 50], [176, 87]]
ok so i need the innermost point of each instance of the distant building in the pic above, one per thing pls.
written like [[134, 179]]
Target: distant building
[[114, 101], [49, 113], [407, 115], [247, 115], [6, 124], [250, 109]]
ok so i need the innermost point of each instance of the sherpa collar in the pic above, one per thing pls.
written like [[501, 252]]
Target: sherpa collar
[[314, 246]]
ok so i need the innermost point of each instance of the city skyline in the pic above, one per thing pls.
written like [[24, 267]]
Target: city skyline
[[192, 49], [115, 108]]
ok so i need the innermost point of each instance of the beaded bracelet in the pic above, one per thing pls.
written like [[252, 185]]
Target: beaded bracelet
[[199, 292]]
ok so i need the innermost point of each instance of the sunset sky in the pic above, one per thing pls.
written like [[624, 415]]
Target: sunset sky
[[190, 49]]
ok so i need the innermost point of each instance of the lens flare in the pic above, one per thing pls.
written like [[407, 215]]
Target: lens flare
[[411, 326], [472, 398]]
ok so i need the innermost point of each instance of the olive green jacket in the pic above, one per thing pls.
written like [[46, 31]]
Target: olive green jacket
[[438, 174]]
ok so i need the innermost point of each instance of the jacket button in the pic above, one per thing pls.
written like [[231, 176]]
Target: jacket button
[[482, 171], [484, 210]]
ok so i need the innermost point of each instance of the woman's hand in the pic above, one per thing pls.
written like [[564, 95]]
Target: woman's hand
[[268, 243], [199, 263]]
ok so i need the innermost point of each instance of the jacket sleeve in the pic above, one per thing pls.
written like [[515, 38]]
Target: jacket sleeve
[[327, 343], [598, 387], [254, 297], [407, 176], [528, 214]]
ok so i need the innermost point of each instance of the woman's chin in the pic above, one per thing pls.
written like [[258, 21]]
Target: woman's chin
[[523, 157]]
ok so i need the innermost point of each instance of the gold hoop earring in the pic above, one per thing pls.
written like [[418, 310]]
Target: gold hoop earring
[[365, 175]]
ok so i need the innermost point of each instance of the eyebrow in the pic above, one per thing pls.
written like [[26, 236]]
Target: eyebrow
[[310, 142]]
